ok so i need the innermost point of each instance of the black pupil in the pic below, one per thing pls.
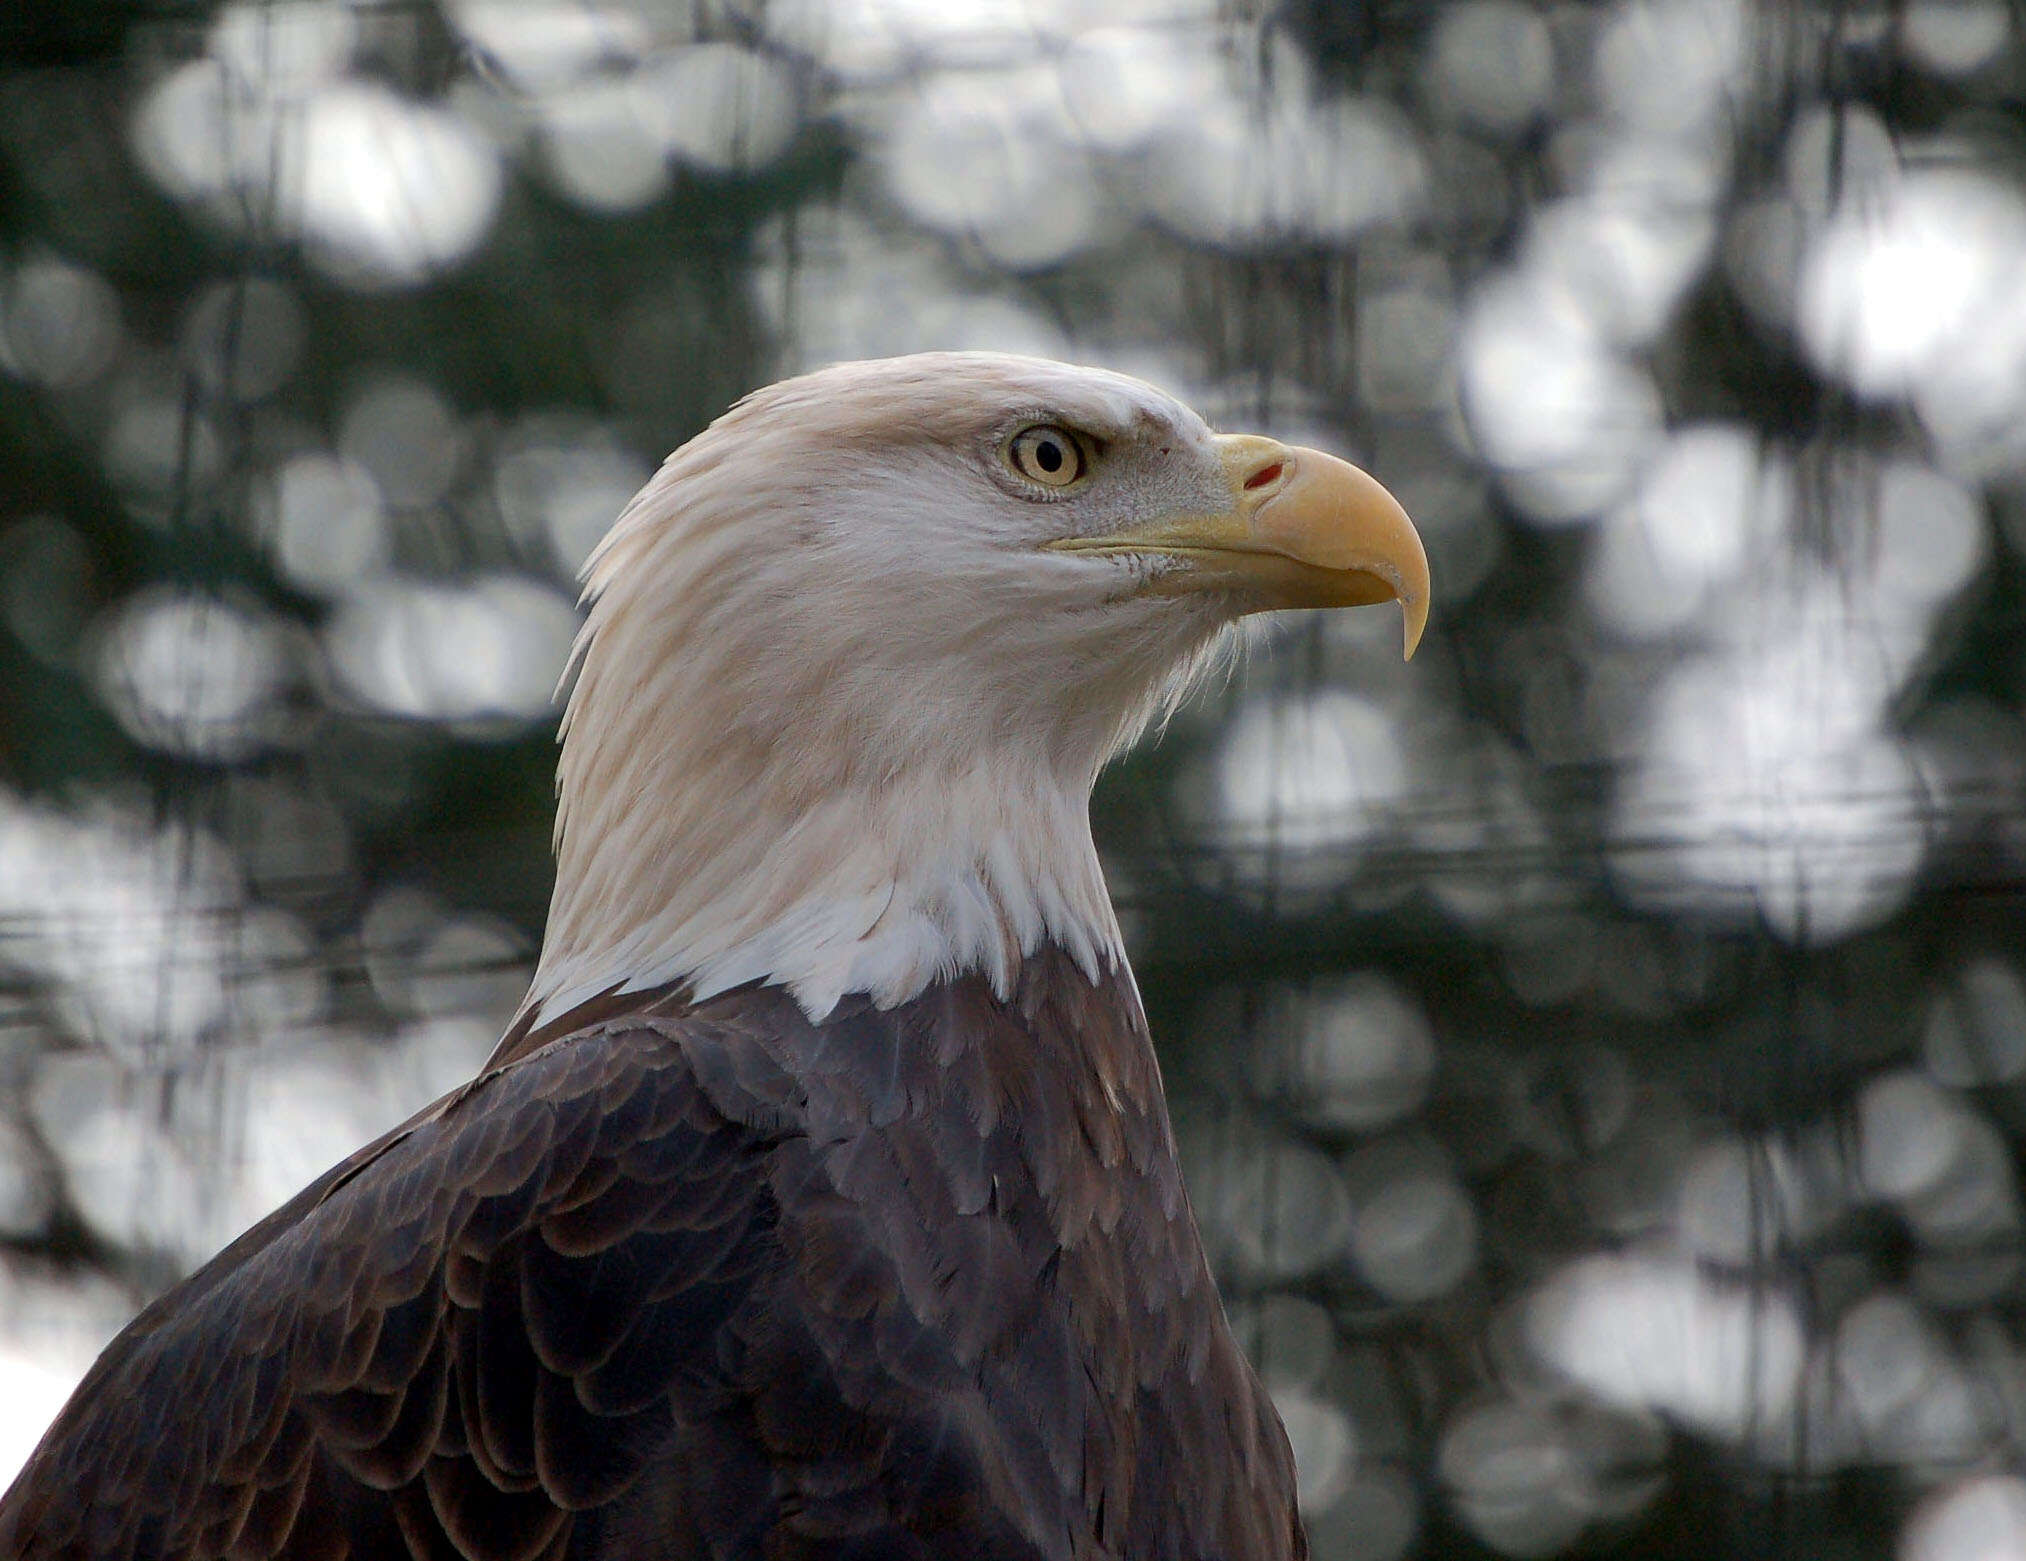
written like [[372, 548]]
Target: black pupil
[[1048, 455]]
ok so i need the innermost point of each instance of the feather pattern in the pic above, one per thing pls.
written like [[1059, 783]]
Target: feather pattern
[[707, 1279]]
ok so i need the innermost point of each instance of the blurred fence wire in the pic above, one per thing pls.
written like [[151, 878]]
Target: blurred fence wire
[[1599, 1048]]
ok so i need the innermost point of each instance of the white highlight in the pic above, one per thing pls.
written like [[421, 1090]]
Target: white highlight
[[1978, 1519], [1653, 1331]]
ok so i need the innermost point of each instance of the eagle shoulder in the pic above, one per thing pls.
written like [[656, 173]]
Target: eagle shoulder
[[450, 1344], [709, 1280]]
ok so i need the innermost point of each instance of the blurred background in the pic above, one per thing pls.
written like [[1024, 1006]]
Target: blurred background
[[1599, 1047]]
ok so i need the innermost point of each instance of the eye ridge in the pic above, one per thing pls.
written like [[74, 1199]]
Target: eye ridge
[[1047, 454]]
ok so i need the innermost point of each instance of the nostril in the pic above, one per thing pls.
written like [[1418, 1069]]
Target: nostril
[[1264, 476]]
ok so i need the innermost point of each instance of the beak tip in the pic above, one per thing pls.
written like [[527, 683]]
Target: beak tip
[[1414, 616]]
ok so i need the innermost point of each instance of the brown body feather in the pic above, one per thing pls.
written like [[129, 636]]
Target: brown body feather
[[710, 1280]]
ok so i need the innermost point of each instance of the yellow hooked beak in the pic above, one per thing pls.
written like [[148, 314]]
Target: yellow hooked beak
[[1303, 529]]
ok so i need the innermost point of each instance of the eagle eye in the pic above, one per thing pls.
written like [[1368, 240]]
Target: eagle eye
[[1046, 454]]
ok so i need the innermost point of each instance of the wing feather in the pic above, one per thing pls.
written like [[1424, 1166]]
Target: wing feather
[[415, 1344], [700, 1282]]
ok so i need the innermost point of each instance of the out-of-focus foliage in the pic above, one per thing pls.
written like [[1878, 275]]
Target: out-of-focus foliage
[[1599, 1047]]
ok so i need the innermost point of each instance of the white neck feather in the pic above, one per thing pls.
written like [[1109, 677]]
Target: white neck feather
[[883, 894]]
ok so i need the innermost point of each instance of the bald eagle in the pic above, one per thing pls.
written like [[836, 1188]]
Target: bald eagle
[[821, 1200]]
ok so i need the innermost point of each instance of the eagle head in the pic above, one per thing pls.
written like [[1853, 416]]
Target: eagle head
[[854, 657]]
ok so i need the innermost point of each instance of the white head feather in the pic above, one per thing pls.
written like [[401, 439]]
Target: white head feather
[[837, 711]]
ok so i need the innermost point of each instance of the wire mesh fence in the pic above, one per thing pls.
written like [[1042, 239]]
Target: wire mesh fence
[[1597, 1047]]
